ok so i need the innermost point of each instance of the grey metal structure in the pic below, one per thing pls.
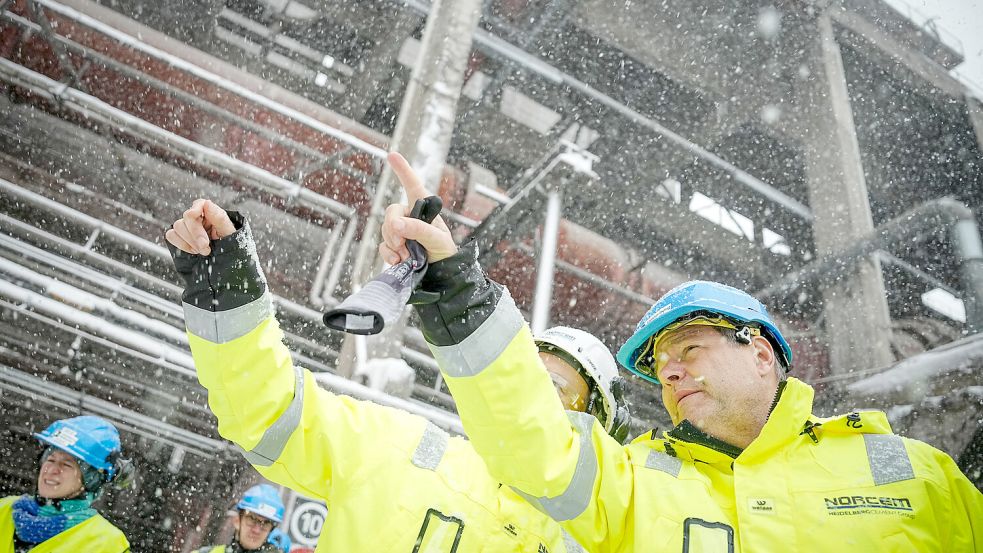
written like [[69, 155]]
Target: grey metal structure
[[772, 145]]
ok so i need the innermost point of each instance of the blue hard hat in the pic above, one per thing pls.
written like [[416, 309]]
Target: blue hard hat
[[93, 440], [701, 296], [280, 539], [264, 500]]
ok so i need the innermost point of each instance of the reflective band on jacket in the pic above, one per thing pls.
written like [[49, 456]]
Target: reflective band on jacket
[[484, 345], [888, 458], [668, 464], [571, 544], [220, 327], [431, 448], [275, 438], [569, 504]]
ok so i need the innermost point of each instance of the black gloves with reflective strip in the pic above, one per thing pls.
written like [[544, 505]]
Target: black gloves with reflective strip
[[455, 297], [226, 278]]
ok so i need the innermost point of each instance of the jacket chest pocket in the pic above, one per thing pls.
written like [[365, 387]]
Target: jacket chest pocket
[[701, 536], [439, 533], [703, 531]]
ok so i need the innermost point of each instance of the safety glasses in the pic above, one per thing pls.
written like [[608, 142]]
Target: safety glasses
[[648, 363], [571, 399], [256, 520]]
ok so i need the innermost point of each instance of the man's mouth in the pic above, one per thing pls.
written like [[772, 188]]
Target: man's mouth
[[683, 394]]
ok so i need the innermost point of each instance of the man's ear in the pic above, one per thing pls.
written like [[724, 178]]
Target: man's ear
[[764, 354]]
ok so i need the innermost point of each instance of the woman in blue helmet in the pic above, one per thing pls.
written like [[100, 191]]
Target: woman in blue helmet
[[259, 512], [80, 456]]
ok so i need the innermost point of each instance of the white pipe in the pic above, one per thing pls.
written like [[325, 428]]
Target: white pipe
[[136, 343], [286, 305], [314, 296], [18, 382], [547, 264], [78, 216], [80, 334], [131, 239], [491, 193], [583, 274], [327, 293], [191, 99], [100, 327], [84, 301], [212, 78], [93, 108], [114, 285], [74, 249], [325, 281]]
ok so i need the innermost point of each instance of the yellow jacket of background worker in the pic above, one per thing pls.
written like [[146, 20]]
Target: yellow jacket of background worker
[[95, 535], [805, 484], [392, 481]]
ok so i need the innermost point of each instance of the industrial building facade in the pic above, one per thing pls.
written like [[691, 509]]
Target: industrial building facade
[[817, 153]]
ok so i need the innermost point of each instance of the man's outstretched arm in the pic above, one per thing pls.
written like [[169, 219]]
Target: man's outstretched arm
[[294, 432], [504, 395]]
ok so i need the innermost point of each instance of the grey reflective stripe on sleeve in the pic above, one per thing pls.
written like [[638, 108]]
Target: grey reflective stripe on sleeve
[[572, 545], [431, 448], [574, 500], [661, 461], [275, 438], [219, 327], [888, 458], [485, 344]]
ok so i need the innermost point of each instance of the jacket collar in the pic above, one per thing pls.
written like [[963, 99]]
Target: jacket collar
[[786, 422], [792, 410]]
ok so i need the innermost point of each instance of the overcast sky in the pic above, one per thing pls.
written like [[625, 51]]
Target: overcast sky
[[962, 18]]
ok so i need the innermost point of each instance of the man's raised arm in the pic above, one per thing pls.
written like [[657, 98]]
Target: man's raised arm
[[504, 395]]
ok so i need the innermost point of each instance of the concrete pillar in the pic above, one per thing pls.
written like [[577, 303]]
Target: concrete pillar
[[423, 134], [975, 110], [858, 324]]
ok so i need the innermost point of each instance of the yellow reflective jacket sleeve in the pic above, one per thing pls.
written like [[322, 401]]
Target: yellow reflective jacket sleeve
[[293, 431], [392, 481], [805, 484], [961, 503], [513, 417], [96, 535]]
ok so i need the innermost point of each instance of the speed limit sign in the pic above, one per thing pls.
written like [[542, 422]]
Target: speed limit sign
[[306, 520]]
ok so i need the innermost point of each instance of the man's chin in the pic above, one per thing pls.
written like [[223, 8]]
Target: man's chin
[[252, 547]]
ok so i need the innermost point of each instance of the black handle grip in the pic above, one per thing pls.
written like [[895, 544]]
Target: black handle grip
[[427, 209]]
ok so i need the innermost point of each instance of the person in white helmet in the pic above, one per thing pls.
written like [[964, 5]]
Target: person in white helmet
[[392, 481]]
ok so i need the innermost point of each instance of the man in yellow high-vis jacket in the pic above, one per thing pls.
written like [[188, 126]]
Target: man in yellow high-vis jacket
[[257, 515], [393, 482], [80, 456], [747, 467]]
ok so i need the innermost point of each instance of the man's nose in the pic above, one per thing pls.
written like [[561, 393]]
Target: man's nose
[[672, 371]]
